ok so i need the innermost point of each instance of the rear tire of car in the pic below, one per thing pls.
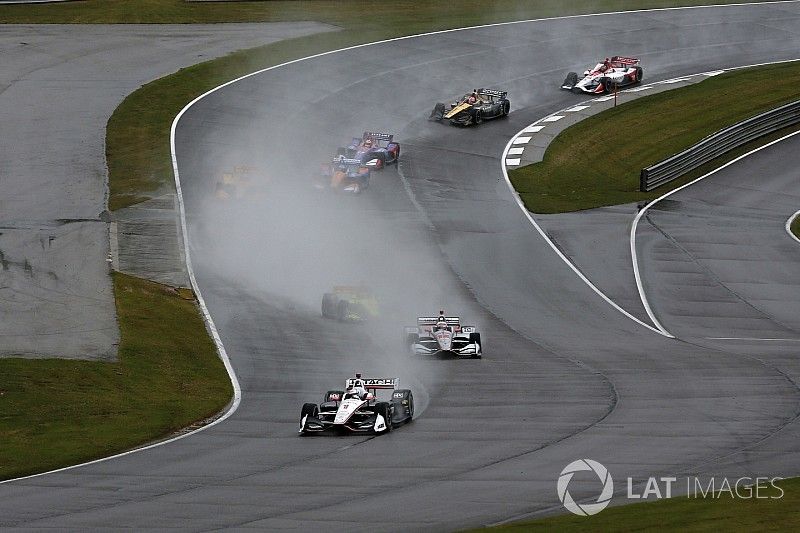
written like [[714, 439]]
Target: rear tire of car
[[478, 117], [639, 74], [506, 108], [411, 340], [384, 409], [342, 310], [381, 157], [329, 305]]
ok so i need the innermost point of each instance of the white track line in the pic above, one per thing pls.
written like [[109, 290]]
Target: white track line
[[207, 317], [789, 226], [640, 214], [569, 263]]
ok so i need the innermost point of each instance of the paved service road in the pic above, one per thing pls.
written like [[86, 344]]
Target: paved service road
[[564, 376], [57, 92]]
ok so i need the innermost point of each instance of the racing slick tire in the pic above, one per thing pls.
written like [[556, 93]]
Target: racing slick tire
[[328, 305], [411, 340], [477, 117], [571, 80], [438, 112], [385, 410], [309, 409], [342, 310], [403, 401], [381, 157], [476, 338]]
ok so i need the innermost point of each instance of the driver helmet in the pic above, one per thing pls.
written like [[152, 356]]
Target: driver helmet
[[368, 143]]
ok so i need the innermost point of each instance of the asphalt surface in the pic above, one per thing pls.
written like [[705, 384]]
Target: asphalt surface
[[564, 376], [56, 95]]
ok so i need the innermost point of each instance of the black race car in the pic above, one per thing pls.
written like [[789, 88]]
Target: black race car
[[357, 409], [473, 108]]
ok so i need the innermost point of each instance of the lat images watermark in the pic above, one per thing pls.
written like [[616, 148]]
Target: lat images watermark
[[743, 488]]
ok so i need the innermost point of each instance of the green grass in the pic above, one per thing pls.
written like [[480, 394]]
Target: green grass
[[597, 161], [683, 514], [347, 13], [54, 412]]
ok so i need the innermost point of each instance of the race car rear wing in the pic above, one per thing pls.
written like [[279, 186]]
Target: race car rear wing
[[625, 60], [430, 321], [492, 92], [378, 136], [374, 383]]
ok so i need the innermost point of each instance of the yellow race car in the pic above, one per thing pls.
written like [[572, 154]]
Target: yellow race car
[[242, 182], [349, 304]]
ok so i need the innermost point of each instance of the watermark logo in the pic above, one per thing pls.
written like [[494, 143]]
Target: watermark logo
[[743, 488], [586, 509]]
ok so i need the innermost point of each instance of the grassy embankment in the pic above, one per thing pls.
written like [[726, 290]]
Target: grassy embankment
[[57, 412], [597, 161]]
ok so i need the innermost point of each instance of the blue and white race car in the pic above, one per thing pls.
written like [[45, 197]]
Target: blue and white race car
[[357, 409], [374, 150]]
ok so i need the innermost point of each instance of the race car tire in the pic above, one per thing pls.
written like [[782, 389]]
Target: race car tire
[[342, 310], [309, 409], [381, 157], [438, 112], [639, 74], [328, 305], [397, 155], [478, 117], [411, 340], [332, 395], [476, 339], [506, 108], [407, 409], [571, 79], [384, 409]]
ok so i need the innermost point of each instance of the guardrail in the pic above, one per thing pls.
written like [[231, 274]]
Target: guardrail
[[717, 144]]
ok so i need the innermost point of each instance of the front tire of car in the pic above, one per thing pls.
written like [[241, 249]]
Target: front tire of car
[[309, 409]]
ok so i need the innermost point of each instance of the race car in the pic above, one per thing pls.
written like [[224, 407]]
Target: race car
[[443, 334], [241, 183], [374, 150], [357, 408], [349, 304], [473, 108], [344, 175], [606, 76]]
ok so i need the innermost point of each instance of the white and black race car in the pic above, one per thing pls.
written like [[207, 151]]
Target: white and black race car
[[443, 335], [357, 408], [473, 108], [607, 76]]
